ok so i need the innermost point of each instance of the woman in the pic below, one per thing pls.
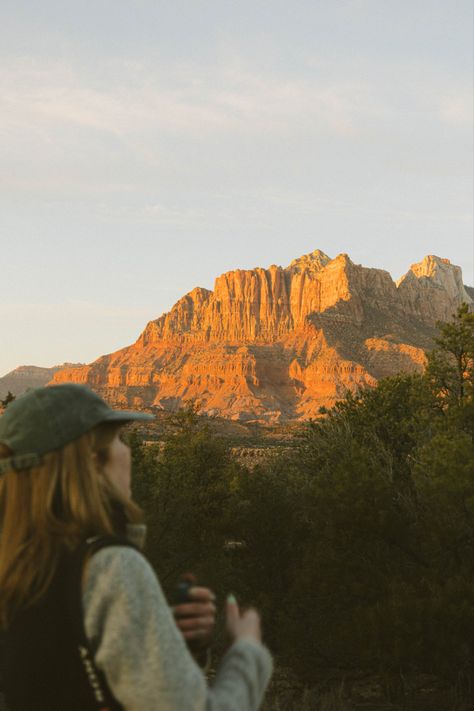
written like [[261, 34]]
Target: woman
[[85, 620]]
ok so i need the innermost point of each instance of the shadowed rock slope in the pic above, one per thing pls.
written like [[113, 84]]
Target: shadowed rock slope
[[276, 344], [29, 376]]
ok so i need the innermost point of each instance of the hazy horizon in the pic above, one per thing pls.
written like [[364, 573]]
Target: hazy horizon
[[147, 148]]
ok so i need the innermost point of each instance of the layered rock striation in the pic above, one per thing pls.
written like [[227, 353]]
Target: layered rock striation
[[276, 344]]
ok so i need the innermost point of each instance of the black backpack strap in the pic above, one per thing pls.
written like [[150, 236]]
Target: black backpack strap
[[101, 696]]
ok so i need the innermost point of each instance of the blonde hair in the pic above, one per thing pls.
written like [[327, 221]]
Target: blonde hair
[[50, 509]]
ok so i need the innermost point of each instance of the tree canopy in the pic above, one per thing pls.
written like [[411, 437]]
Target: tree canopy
[[358, 546]]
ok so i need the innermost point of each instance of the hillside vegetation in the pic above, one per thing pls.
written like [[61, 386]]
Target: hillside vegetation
[[357, 544]]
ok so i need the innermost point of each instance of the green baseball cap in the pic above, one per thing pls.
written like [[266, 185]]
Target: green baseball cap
[[45, 419]]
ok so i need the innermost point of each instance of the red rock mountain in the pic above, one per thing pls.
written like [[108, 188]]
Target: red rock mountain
[[275, 344]]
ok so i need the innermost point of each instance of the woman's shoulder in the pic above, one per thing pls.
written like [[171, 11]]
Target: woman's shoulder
[[122, 600], [117, 555], [119, 570]]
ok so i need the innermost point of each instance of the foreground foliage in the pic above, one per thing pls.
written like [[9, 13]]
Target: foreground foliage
[[359, 546]]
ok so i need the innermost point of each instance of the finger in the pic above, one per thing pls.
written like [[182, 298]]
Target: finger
[[195, 623], [198, 593], [196, 609], [190, 610], [232, 611], [251, 614], [199, 634]]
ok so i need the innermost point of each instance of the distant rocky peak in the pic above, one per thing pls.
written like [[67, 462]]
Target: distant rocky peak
[[196, 296], [438, 273], [312, 262], [431, 266]]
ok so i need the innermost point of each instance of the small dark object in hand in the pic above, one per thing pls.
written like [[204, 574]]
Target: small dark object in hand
[[181, 596], [182, 592]]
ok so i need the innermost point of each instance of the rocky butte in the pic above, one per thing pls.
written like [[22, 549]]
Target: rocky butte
[[276, 344]]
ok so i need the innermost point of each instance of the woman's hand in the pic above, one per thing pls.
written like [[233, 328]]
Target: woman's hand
[[196, 619], [242, 625]]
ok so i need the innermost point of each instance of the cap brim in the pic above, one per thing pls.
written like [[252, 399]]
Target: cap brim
[[128, 416]]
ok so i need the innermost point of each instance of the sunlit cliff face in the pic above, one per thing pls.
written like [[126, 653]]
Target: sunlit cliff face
[[277, 344]]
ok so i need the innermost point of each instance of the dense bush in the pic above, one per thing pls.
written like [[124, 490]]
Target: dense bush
[[359, 546]]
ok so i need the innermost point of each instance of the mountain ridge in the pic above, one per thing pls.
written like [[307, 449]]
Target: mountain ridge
[[20, 379], [276, 344]]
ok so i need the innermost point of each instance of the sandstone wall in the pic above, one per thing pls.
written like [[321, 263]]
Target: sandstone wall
[[278, 343]]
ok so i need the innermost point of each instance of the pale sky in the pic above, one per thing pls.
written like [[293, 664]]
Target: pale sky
[[148, 146]]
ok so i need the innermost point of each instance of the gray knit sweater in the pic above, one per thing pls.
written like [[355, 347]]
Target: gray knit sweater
[[137, 645]]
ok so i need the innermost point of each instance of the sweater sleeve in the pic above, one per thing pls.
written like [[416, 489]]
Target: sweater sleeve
[[143, 655]]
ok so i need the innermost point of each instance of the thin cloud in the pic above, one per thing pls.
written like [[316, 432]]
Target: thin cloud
[[226, 100], [49, 103], [172, 216]]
